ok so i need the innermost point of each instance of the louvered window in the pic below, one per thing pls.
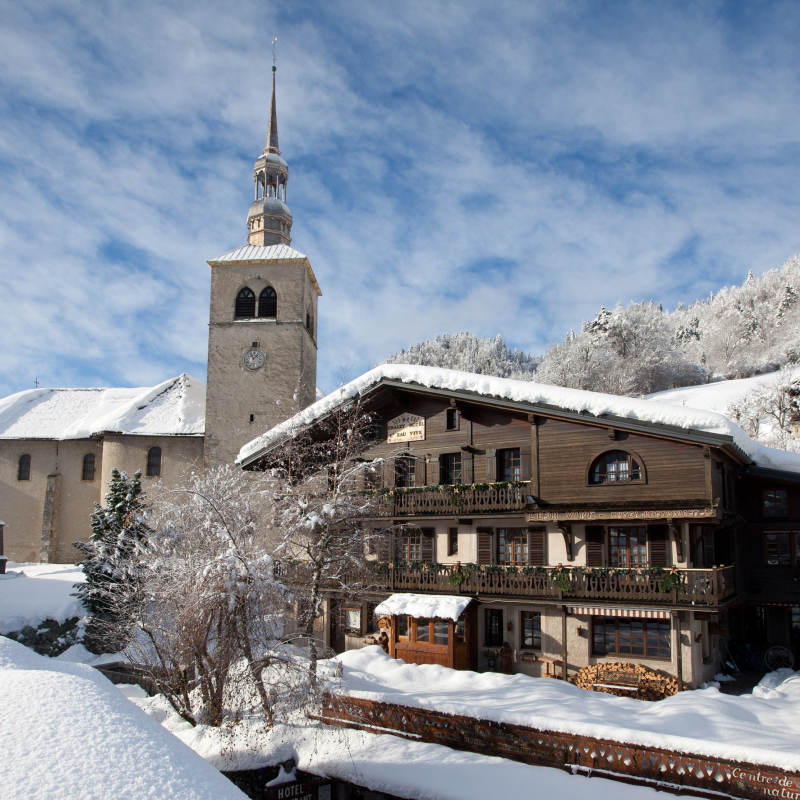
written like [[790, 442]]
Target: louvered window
[[88, 467], [268, 303], [154, 462], [245, 304], [24, 468]]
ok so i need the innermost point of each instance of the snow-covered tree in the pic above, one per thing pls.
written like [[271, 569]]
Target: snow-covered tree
[[111, 559]]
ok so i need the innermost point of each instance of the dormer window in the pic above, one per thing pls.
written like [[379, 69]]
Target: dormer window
[[616, 466]]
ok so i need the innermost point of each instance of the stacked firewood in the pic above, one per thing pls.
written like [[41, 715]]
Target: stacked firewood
[[653, 685]]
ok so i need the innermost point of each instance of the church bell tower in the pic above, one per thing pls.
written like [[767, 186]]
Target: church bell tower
[[262, 336]]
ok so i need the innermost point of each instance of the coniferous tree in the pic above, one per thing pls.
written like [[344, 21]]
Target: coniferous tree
[[118, 531]]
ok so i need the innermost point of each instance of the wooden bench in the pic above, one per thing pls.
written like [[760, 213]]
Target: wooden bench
[[615, 678]]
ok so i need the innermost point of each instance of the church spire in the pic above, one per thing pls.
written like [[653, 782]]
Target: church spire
[[272, 131], [269, 220]]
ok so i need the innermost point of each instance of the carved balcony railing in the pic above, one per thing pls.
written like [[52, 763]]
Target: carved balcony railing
[[454, 501], [680, 587]]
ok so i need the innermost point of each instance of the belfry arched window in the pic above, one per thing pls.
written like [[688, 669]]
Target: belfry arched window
[[88, 467], [245, 304], [268, 303], [154, 462], [616, 466], [24, 468]]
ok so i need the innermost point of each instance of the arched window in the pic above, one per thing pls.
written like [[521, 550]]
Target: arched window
[[268, 303], [616, 466], [154, 462], [245, 304], [88, 467], [24, 468]]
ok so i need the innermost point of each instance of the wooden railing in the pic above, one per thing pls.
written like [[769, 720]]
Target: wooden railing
[[686, 587], [447, 502]]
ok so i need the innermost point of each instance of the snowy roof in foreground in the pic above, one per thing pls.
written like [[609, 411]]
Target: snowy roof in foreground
[[425, 606], [174, 407], [93, 741], [252, 252], [525, 392]]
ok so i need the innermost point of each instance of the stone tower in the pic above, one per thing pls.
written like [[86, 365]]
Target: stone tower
[[262, 336]]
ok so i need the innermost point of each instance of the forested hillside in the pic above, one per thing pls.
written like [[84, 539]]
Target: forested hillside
[[640, 348]]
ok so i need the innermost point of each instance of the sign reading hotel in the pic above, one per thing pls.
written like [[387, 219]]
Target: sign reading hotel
[[406, 428], [673, 513]]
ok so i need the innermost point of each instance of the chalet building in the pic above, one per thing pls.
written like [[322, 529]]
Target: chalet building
[[574, 527]]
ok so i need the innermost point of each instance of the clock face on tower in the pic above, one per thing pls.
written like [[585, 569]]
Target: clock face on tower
[[253, 359]]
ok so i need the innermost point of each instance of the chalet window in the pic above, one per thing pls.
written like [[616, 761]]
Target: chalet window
[[512, 546], [423, 630], [450, 467], [616, 466], [88, 467], [452, 542], [405, 472], [245, 304], [629, 547], [494, 627], [778, 550], [775, 504], [531, 626], [650, 638], [451, 423], [24, 468], [409, 545], [509, 465], [402, 628], [154, 462], [268, 303]]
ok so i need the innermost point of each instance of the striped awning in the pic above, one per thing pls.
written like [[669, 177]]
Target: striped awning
[[638, 613]]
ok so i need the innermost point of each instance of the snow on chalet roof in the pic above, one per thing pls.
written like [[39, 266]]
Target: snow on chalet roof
[[254, 253], [424, 606], [595, 404], [173, 408]]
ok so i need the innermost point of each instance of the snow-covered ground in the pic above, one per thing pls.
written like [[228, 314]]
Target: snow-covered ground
[[32, 593], [66, 732], [763, 727]]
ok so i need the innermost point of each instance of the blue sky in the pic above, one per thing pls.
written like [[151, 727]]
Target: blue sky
[[502, 167]]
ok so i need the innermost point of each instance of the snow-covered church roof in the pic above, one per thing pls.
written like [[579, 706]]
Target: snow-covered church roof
[[173, 408], [591, 404]]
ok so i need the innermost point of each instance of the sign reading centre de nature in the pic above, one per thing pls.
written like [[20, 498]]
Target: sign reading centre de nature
[[406, 428]]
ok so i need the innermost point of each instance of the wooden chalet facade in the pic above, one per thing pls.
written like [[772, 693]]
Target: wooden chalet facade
[[582, 538]]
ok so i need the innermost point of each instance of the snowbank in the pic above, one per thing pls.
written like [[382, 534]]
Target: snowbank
[[576, 400], [428, 606], [66, 732], [32, 593], [763, 727], [174, 407], [386, 763]]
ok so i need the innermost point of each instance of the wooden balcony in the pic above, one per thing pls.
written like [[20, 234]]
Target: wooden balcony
[[455, 501], [686, 587]]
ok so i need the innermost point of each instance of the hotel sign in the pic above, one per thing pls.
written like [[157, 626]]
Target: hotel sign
[[406, 428], [591, 516]]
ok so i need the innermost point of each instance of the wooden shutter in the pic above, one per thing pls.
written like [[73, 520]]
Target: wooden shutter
[[467, 468], [383, 545], [709, 556], [432, 476], [389, 470], [658, 541], [484, 545], [525, 469], [428, 541], [595, 537], [536, 546], [491, 465]]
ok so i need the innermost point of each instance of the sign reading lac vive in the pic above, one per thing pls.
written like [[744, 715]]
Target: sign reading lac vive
[[406, 428]]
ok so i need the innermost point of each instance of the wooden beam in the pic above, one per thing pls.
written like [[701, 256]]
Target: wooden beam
[[679, 650], [535, 480], [566, 532], [564, 668]]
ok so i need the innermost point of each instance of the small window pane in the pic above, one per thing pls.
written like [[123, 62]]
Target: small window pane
[[510, 465], [423, 630], [532, 630], [778, 553], [24, 468], [409, 546], [441, 632], [775, 504], [451, 468], [88, 467], [405, 472], [402, 627], [452, 419]]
